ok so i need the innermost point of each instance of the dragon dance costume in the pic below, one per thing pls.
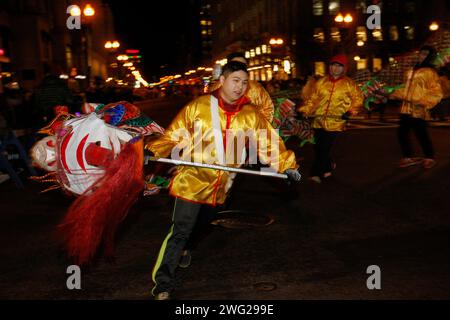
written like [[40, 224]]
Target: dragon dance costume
[[97, 157]]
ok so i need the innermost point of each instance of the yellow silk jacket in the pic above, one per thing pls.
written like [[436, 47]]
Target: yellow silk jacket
[[258, 96], [330, 99], [191, 131], [308, 89], [422, 91]]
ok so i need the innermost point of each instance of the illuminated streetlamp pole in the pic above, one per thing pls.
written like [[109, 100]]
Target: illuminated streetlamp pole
[[276, 43], [111, 46], [344, 23], [88, 13]]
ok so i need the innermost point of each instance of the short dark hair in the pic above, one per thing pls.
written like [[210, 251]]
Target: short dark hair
[[233, 66], [233, 55]]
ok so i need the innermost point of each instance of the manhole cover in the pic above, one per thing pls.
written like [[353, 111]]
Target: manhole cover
[[235, 219], [265, 286]]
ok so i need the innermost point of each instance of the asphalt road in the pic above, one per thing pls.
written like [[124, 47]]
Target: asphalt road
[[319, 245]]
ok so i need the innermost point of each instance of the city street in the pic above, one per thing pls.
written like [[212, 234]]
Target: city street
[[304, 241]]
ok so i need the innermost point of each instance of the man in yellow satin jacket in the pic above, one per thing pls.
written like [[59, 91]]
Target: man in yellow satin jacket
[[422, 91], [256, 93], [333, 99], [207, 121], [261, 100]]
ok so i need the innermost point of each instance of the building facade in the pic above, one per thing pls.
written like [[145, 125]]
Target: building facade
[[35, 40], [293, 38]]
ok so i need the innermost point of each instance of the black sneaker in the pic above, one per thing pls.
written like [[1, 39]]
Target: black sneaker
[[185, 259]]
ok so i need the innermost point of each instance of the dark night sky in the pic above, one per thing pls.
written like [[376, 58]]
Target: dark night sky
[[155, 28]]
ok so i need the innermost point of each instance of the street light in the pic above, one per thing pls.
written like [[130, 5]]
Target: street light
[[75, 11], [274, 41], [348, 18], [88, 10], [112, 44], [434, 26], [339, 18]]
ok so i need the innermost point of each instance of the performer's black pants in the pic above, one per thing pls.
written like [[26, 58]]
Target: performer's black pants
[[322, 149], [419, 126], [184, 217], [202, 227]]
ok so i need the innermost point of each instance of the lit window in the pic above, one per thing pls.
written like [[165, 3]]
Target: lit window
[[377, 64], [203, 22], [232, 27], [258, 51], [377, 35], [317, 7], [319, 35], [393, 33], [204, 32], [269, 74], [209, 23], [319, 68], [335, 34], [287, 66], [264, 48], [361, 64], [257, 75], [333, 7], [361, 34], [409, 32]]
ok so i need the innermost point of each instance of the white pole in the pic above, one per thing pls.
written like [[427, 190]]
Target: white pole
[[215, 167], [336, 117]]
